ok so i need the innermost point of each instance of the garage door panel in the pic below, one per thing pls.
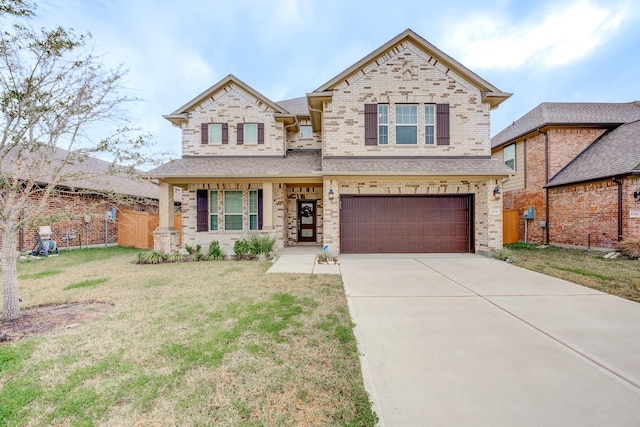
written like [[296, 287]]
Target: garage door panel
[[420, 224]]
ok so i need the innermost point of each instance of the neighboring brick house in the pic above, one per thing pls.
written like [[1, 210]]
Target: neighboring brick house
[[80, 204], [578, 166], [391, 155]]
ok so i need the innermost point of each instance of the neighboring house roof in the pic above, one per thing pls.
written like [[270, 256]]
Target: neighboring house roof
[[490, 93], [613, 154], [295, 164], [592, 114], [297, 106], [89, 174], [436, 166], [180, 115], [310, 164]]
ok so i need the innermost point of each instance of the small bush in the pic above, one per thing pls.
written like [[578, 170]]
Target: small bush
[[215, 251], [199, 256], [630, 248], [503, 254], [152, 257], [241, 247], [176, 257], [188, 248], [261, 243]]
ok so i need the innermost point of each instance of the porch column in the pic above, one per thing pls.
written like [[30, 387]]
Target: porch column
[[166, 206], [267, 206]]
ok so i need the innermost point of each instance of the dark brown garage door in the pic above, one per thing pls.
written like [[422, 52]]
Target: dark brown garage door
[[411, 224]]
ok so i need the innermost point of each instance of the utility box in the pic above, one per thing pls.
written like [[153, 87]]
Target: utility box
[[529, 213]]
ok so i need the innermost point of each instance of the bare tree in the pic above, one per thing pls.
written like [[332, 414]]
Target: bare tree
[[55, 97]]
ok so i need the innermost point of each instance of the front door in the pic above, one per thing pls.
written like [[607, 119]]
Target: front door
[[306, 221]]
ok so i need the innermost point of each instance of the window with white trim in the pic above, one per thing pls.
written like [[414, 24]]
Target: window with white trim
[[430, 124], [406, 124], [253, 210], [250, 133], [233, 216], [306, 131], [383, 124], [215, 133], [509, 154], [213, 210]]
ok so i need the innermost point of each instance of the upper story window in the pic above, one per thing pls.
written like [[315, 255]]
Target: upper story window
[[406, 124], [383, 124], [509, 154], [250, 133], [214, 133], [429, 124], [306, 131], [387, 124]]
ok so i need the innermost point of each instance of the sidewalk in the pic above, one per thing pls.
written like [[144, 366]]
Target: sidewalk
[[302, 259]]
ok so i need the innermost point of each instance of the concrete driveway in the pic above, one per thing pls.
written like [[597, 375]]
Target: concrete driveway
[[464, 340]]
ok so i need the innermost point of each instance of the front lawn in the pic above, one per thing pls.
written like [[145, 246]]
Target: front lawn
[[618, 276], [197, 343]]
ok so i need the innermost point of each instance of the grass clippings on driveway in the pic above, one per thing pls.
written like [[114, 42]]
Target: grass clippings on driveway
[[200, 343], [617, 276]]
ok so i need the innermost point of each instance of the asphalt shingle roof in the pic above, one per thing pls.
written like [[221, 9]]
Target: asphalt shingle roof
[[297, 106], [297, 163], [615, 153], [569, 113]]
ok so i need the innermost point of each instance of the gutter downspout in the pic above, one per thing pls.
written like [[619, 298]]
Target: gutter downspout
[[284, 136], [319, 112], [617, 181]]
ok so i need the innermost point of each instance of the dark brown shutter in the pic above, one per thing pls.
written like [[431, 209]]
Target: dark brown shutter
[[225, 133], [260, 133], [370, 124], [204, 133], [202, 210], [260, 205], [240, 131], [442, 123]]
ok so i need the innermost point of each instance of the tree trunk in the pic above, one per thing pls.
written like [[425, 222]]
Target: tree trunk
[[11, 298]]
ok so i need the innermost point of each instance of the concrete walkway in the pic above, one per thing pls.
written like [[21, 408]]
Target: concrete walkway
[[302, 259], [464, 340]]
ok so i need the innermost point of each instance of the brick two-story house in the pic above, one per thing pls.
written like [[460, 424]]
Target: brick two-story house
[[578, 166], [391, 155]]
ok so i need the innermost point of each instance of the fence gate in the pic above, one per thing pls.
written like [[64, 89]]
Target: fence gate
[[135, 229], [510, 218]]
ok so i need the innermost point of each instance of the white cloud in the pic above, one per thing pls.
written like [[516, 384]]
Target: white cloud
[[560, 35]]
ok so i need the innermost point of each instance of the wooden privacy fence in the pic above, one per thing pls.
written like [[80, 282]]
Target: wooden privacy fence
[[135, 229], [510, 219]]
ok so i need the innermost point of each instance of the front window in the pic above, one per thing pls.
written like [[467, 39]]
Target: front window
[[429, 124], [233, 210], [305, 131], [406, 124], [383, 124], [253, 210], [251, 133], [215, 133], [213, 210], [509, 153]]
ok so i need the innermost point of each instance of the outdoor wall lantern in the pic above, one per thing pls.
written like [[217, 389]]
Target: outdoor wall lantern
[[636, 195], [496, 193], [331, 195]]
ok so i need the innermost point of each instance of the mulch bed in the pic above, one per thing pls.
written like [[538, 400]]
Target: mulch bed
[[42, 320]]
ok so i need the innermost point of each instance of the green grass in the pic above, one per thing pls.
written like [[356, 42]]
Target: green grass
[[85, 283], [39, 275], [207, 343], [617, 276]]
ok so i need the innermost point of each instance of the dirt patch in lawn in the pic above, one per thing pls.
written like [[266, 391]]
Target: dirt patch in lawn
[[43, 320]]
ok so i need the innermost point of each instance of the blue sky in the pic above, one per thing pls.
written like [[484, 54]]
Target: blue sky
[[546, 50]]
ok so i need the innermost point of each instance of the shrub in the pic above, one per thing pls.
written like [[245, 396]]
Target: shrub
[[503, 254], [188, 248], [176, 257], [215, 251], [241, 247], [199, 256], [261, 243], [630, 248], [152, 257]]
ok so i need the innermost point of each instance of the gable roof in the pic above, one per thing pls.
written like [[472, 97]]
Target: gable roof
[[180, 115], [297, 106], [490, 93], [584, 114], [615, 153]]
